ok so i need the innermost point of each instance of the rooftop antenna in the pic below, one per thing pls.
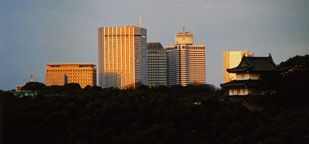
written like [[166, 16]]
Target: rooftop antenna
[[140, 21], [183, 29]]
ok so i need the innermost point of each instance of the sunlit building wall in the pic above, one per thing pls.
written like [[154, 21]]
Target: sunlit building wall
[[232, 59], [122, 56], [156, 64], [196, 63], [82, 73], [186, 61]]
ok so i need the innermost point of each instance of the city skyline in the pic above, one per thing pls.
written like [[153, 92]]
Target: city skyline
[[35, 33]]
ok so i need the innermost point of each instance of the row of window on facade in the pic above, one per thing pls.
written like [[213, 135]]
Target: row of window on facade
[[71, 70], [70, 73], [156, 76], [81, 80], [238, 91], [184, 47], [82, 77]]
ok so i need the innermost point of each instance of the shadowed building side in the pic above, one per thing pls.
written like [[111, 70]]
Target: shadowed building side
[[156, 64]]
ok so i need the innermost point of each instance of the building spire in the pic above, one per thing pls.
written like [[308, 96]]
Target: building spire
[[140, 21]]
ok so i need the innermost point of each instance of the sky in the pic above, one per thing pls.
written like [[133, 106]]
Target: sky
[[35, 32]]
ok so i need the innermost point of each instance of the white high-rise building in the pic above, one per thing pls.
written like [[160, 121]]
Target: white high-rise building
[[122, 56], [186, 61]]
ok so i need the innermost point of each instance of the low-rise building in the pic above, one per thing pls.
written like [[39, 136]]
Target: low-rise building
[[82, 73]]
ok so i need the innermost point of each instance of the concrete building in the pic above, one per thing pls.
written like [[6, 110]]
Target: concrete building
[[186, 61], [122, 56], [231, 59], [82, 73], [156, 64], [56, 79]]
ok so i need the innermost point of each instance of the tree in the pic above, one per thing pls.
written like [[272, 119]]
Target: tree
[[33, 86], [289, 88]]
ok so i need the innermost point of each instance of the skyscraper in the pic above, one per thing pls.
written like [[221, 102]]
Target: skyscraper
[[186, 61], [122, 56], [171, 72], [231, 59], [156, 64]]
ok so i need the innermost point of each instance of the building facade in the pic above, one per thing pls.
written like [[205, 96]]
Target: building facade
[[82, 73], [56, 79], [186, 61], [122, 56], [156, 64], [171, 64], [231, 59]]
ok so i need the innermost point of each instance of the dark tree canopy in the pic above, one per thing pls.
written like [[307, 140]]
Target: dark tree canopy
[[161, 114], [288, 88], [33, 86]]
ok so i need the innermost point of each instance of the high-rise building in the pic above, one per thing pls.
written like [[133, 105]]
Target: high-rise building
[[186, 61], [231, 59], [122, 56], [82, 73], [171, 64], [156, 64]]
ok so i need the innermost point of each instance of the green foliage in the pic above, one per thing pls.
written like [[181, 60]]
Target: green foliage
[[146, 115], [295, 61], [289, 88], [33, 86]]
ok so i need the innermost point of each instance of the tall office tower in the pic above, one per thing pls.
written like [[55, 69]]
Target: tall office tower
[[171, 56], [231, 59], [156, 64], [187, 60], [82, 73], [122, 56]]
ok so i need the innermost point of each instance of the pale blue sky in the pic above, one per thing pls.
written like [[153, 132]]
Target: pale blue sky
[[36, 32]]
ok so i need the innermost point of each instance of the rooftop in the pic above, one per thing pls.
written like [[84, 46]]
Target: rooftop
[[70, 64], [154, 45], [254, 64], [241, 83]]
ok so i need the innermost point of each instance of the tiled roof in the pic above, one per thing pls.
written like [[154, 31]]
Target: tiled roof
[[241, 83], [255, 64]]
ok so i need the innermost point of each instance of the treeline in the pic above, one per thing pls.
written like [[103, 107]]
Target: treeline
[[287, 88], [155, 115], [176, 114]]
